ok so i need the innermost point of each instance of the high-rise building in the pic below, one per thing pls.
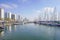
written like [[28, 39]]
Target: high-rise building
[[49, 14], [7, 15], [19, 18], [1, 13], [13, 16]]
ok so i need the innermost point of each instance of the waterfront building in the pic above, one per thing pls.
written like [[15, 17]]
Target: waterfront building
[[57, 16], [25, 20], [1, 14], [7, 16], [49, 14], [19, 18], [13, 16], [54, 15]]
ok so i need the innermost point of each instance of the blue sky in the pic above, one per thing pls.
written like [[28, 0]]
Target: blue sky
[[28, 8]]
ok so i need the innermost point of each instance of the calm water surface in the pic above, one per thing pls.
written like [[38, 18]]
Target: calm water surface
[[30, 32]]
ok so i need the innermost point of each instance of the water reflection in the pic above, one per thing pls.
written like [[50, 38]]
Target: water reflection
[[10, 28], [1, 33], [30, 32], [15, 27]]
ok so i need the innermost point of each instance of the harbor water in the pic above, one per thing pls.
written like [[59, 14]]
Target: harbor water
[[30, 32]]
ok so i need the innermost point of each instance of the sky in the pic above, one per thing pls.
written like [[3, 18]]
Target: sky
[[28, 8]]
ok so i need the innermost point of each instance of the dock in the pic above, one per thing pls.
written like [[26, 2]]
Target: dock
[[49, 23]]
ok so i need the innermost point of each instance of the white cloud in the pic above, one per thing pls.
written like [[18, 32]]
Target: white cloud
[[14, 5], [5, 6], [24, 0], [8, 6], [38, 11]]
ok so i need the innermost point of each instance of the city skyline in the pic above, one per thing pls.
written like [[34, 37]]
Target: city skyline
[[28, 8]]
